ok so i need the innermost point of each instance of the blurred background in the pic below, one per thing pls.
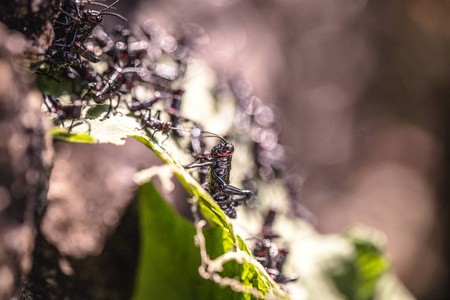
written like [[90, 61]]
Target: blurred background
[[361, 90]]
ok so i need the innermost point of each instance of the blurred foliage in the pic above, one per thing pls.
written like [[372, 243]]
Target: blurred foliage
[[358, 276], [50, 86]]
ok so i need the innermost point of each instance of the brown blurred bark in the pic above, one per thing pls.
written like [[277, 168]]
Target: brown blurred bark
[[32, 18], [26, 151], [97, 183], [25, 162]]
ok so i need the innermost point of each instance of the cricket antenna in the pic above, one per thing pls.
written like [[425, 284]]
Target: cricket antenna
[[100, 4], [212, 134], [179, 129], [114, 14], [108, 7]]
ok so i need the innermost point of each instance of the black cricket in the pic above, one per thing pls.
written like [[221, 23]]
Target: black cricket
[[219, 163], [156, 124], [63, 112]]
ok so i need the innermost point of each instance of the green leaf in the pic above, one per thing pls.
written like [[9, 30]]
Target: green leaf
[[62, 134], [358, 275], [50, 86], [113, 129], [169, 259]]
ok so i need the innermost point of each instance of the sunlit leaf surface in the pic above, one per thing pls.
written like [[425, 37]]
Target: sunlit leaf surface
[[169, 259]]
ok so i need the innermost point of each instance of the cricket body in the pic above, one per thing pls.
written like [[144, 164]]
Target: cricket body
[[219, 174], [136, 105], [219, 162], [267, 253], [63, 112], [156, 124], [174, 110]]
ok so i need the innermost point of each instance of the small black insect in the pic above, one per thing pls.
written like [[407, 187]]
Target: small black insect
[[81, 50], [110, 85], [219, 163], [161, 76], [70, 12], [276, 272], [63, 112], [156, 124], [104, 41], [264, 250], [89, 19], [197, 148], [137, 105], [118, 82], [271, 163], [86, 74], [294, 183], [127, 49], [267, 253], [174, 110], [72, 27]]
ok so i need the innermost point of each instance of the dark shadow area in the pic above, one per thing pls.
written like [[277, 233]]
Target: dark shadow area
[[109, 275]]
